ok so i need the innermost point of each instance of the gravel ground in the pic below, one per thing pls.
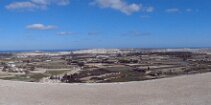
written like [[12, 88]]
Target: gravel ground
[[183, 90]]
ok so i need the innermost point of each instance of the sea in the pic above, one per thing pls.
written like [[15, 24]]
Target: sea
[[22, 51]]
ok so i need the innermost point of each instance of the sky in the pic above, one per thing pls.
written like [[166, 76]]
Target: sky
[[78, 24]]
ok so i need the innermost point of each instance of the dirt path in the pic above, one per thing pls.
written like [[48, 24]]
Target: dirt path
[[183, 90]]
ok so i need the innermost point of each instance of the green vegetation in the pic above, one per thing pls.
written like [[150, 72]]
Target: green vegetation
[[28, 78], [17, 77], [59, 72], [37, 77], [127, 74]]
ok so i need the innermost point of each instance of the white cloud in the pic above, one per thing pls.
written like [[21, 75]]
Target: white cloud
[[22, 5], [41, 2], [66, 33], [149, 9], [189, 10], [40, 27], [35, 4], [49, 2], [63, 2], [177, 10], [119, 5], [136, 33], [172, 10]]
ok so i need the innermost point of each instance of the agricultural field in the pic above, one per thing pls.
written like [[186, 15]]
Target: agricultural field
[[102, 68]]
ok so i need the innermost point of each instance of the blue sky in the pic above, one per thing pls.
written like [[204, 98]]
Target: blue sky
[[76, 24]]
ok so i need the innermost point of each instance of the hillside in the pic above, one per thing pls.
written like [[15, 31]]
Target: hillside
[[183, 90]]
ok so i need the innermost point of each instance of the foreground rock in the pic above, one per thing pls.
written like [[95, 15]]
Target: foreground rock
[[184, 90]]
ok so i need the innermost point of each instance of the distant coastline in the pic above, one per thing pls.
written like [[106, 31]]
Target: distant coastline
[[66, 50]]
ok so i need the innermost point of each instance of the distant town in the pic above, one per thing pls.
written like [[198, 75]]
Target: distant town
[[103, 65]]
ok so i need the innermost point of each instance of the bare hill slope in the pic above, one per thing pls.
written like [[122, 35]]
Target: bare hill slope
[[184, 90]]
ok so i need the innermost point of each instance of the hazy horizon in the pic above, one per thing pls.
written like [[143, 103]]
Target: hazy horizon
[[59, 50]]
